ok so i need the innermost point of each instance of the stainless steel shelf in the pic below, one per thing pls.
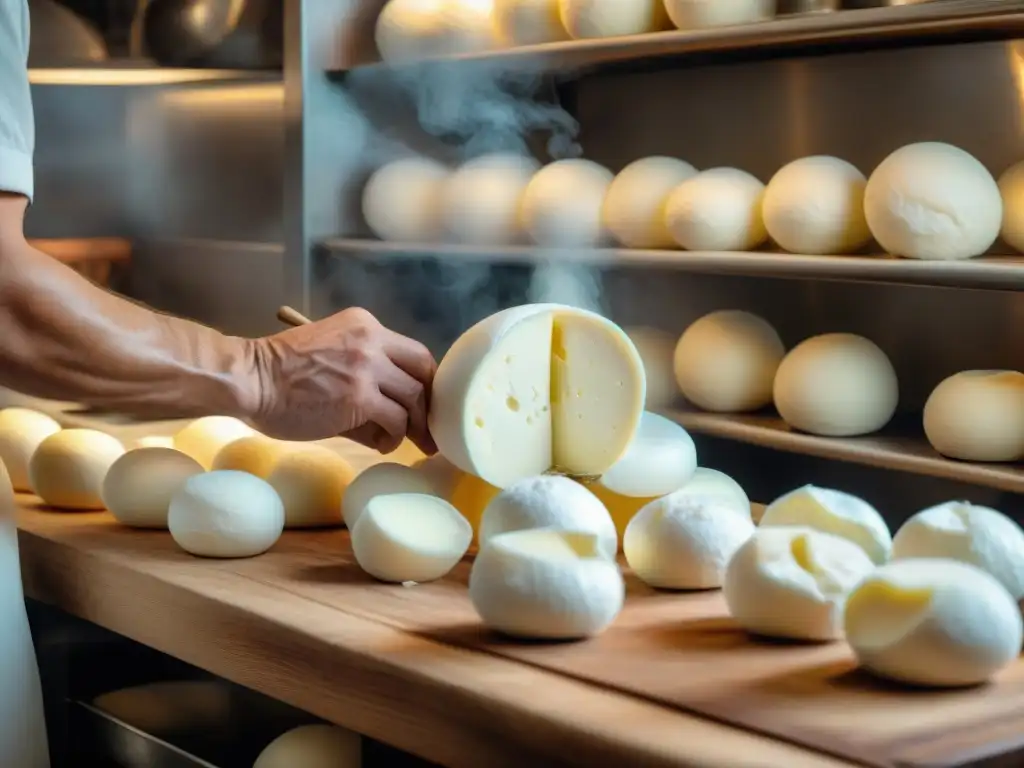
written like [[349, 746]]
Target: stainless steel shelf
[[992, 273]]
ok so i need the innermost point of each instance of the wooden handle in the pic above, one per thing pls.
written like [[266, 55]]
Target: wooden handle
[[292, 317]]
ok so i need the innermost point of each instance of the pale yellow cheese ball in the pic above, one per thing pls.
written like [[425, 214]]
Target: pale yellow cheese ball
[[204, 437], [1011, 189], [471, 496], [977, 416], [311, 482], [139, 486], [634, 206], [255, 454], [68, 468], [21, 432]]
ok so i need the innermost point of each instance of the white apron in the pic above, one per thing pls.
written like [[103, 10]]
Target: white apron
[[22, 723]]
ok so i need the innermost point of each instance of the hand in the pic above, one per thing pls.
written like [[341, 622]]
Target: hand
[[345, 375]]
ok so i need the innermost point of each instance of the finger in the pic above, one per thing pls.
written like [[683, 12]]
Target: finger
[[399, 386], [393, 420], [409, 355], [368, 434]]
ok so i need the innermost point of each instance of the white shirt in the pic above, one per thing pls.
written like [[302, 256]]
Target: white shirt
[[17, 126]]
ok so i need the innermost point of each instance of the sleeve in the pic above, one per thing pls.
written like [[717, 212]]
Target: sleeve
[[17, 127]]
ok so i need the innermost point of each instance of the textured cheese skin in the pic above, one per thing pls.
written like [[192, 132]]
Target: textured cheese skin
[[311, 482], [549, 501], [683, 541], [21, 432], [1011, 189], [255, 454], [480, 200], [717, 210], [401, 537], [977, 416], [379, 480], [815, 205], [561, 206], [634, 206], [612, 18], [226, 514], [546, 584], [313, 746], [933, 622], [700, 14], [933, 201], [401, 200], [835, 512], [661, 458], [409, 30], [68, 468], [656, 349], [139, 486], [792, 582], [837, 385], [203, 438], [529, 22], [978, 536], [726, 361]]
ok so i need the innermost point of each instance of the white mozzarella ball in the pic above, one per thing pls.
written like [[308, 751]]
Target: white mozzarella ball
[[634, 206], [792, 582], [1011, 189], [662, 458], [933, 201], [612, 18], [726, 361], [225, 514], [469, 26], [409, 30], [701, 14], [529, 22], [711, 483], [976, 535], [546, 584], [561, 206], [203, 438], [379, 480], [152, 441], [402, 537], [835, 512], [837, 385], [683, 541], [21, 432], [442, 475], [68, 468], [480, 200], [549, 501], [313, 746], [255, 454], [717, 210], [311, 483], [933, 622], [656, 349], [401, 200], [977, 416], [139, 486], [815, 205]]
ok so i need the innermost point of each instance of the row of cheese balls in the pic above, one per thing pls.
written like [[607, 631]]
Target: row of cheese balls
[[926, 201]]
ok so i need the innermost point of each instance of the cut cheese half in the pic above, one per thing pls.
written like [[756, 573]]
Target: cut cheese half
[[536, 388]]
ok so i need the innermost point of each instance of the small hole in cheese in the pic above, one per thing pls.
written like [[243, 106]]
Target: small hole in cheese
[[479, 422], [512, 403]]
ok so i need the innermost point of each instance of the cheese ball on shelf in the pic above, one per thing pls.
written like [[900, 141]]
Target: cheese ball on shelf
[[203, 438], [170, 707], [255, 454], [409, 30], [313, 746], [139, 486], [21, 432], [726, 361], [977, 416], [815, 205], [311, 482], [151, 441], [634, 206], [401, 200], [612, 18], [1011, 189], [656, 349], [792, 582], [933, 201], [561, 206], [546, 584], [958, 530], [717, 210], [701, 14], [836, 385], [480, 200], [933, 622], [380, 480], [68, 468], [469, 26], [529, 22]]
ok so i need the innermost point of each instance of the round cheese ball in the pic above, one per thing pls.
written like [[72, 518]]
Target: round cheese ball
[[549, 501], [546, 584], [707, 482], [682, 541], [933, 622], [701, 14], [139, 486], [612, 18], [402, 537], [792, 582], [561, 206], [977, 416], [469, 26], [634, 206], [225, 514], [480, 200], [68, 468], [836, 385], [979, 536], [380, 480], [717, 210], [152, 441], [401, 200], [1011, 189], [169, 707], [442, 475], [203, 438], [409, 30], [21, 432], [255, 454], [313, 746], [662, 458], [470, 496], [311, 483], [529, 22], [815, 205], [835, 512], [726, 361], [656, 349], [933, 201]]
